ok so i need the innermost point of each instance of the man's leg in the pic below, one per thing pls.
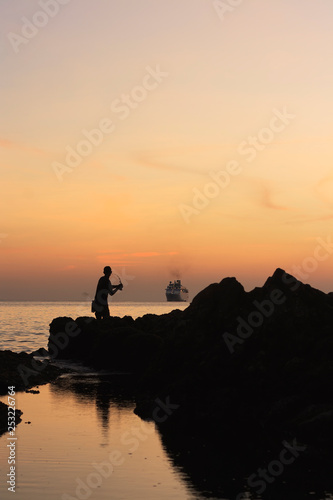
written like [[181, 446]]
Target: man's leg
[[106, 312]]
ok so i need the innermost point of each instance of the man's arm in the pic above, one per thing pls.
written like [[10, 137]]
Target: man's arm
[[114, 288]]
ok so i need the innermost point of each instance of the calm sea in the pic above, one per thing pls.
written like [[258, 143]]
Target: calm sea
[[25, 325]]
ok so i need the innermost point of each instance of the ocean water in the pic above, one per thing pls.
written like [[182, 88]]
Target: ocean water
[[24, 326]]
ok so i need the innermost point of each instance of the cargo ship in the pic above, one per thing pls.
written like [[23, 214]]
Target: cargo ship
[[176, 292]]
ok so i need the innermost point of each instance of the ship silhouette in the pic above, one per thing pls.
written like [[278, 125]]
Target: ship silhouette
[[176, 292]]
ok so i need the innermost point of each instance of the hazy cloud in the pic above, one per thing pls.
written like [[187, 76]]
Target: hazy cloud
[[324, 189], [6, 144], [152, 159], [263, 193]]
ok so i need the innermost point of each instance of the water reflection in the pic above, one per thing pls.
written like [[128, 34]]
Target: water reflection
[[103, 403], [107, 393], [221, 468], [214, 466], [96, 388], [81, 421]]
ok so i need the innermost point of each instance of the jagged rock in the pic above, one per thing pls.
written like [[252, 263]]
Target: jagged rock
[[23, 371], [4, 417], [253, 359], [216, 298]]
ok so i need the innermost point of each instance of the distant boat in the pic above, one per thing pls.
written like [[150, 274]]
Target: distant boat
[[176, 292]]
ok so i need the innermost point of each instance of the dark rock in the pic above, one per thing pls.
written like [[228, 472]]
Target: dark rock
[[233, 359], [4, 417], [218, 298], [22, 371], [41, 352]]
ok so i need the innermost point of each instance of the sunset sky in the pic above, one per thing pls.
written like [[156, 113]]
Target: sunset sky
[[164, 138]]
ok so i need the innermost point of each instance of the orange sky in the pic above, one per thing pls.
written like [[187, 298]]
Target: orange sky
[[164, 139]]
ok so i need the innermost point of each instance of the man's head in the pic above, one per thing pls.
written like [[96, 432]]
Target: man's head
[[107, 271]]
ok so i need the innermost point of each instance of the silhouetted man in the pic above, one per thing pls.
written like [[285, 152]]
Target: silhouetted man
[[104, 288]]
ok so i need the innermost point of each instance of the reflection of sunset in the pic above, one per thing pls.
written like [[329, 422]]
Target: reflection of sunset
[[70, 430], [218, 86]]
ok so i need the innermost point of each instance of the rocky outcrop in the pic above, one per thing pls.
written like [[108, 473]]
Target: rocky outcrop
[[115, 344], [23, 371], [4, 417], [233, 362]]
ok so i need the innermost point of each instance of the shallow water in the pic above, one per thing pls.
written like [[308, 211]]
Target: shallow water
[[75, 427], [79, 439]]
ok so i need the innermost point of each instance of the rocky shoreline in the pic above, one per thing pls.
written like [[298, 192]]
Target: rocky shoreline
[[235, 370], [22, 371], [4, 417], [259, 361]]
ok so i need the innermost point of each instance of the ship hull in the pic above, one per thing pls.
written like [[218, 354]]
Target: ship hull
[[177, 297], [175, 292]]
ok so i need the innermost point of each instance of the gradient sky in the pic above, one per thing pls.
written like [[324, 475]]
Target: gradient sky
[[133, 200]]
